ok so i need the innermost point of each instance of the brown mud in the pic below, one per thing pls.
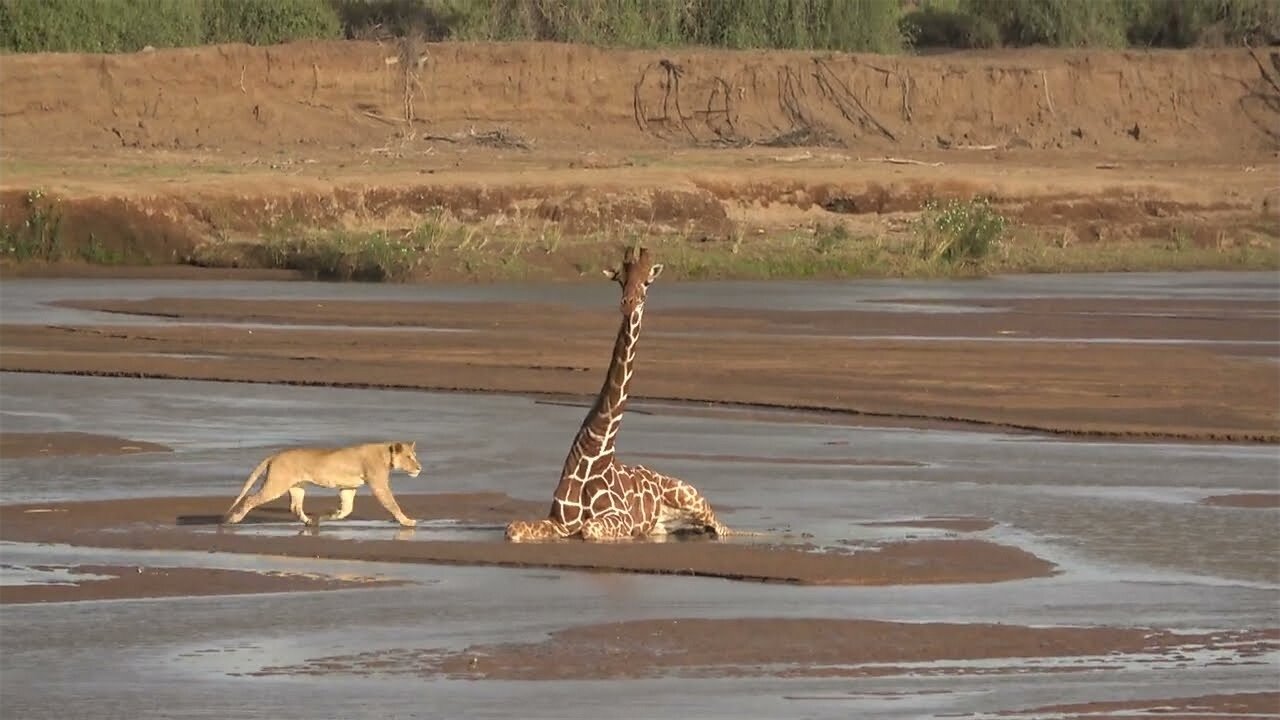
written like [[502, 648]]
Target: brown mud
[[175, 523], [153, 155], [28, 445], [741, 647], [1244, 500], [131, 581]]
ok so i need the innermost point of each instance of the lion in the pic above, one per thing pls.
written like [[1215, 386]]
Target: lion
[[343, 468]]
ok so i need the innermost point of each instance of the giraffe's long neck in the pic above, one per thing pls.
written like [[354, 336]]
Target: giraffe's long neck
[[592, 449]]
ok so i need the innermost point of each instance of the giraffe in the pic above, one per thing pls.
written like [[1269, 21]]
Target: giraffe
[[599, 498]]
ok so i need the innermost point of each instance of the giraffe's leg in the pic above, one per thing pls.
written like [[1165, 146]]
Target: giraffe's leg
[[347, 503], [686, 499], [296, 494], [609, 525], [534, 530]]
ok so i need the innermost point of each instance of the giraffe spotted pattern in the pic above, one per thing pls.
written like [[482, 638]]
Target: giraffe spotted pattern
[[599, 498]]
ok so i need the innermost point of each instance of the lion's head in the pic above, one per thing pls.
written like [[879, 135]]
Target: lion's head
[[404, 457]]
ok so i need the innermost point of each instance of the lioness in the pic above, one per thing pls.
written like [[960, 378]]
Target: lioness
[[344, 468]]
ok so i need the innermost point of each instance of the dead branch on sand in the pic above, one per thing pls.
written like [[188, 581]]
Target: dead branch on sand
[[901, 161]]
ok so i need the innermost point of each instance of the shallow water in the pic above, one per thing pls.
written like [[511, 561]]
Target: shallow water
[[22, 300], [1121, 519]]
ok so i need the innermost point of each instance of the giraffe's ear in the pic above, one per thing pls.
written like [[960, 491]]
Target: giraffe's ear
[[610, 273], [654, 272]]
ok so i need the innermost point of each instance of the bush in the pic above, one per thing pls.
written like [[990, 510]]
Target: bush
[[848, 25], [841, 25], [97, 25], [1183, 23], [266, 22], [949, 28], [108, 26], [379, 19], [1056, 23], [959, 232]]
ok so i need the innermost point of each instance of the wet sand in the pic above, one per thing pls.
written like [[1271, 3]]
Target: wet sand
[[1134, 369], [170, 524], [127, 582], [776, 646], [27, 445]]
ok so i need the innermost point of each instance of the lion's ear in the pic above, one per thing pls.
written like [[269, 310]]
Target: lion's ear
[[394, 448]]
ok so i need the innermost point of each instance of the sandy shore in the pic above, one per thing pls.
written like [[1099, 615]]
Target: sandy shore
[[997, 371], [175, 524]]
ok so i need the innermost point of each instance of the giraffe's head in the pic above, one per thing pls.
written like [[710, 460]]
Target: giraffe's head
[[638, 271]]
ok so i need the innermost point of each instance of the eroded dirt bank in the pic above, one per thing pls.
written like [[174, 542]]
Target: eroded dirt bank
[[331, 94], [155, 154], [191, 524]]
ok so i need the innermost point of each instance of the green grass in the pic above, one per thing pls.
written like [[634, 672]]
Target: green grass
[[843, 25], [343, 256], [950, 239]]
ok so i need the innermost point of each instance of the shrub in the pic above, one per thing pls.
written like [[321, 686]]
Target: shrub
[[959, 232], [848, 25], [265, 22], [108, 26], [1056, 23], [1182, 23], [949, 28], [39, 236], [97, 25], [374, 19]]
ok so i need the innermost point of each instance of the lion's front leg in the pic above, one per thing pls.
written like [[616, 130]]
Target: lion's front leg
[[381, 489]]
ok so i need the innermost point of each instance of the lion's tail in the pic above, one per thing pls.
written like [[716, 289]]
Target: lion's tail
[[253, 478]]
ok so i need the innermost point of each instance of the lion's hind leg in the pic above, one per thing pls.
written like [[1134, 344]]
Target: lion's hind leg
[[268, 493], [347, 503], [296, 494]]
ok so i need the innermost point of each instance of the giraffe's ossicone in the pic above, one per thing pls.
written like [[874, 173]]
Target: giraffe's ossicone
[[599, 498]]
